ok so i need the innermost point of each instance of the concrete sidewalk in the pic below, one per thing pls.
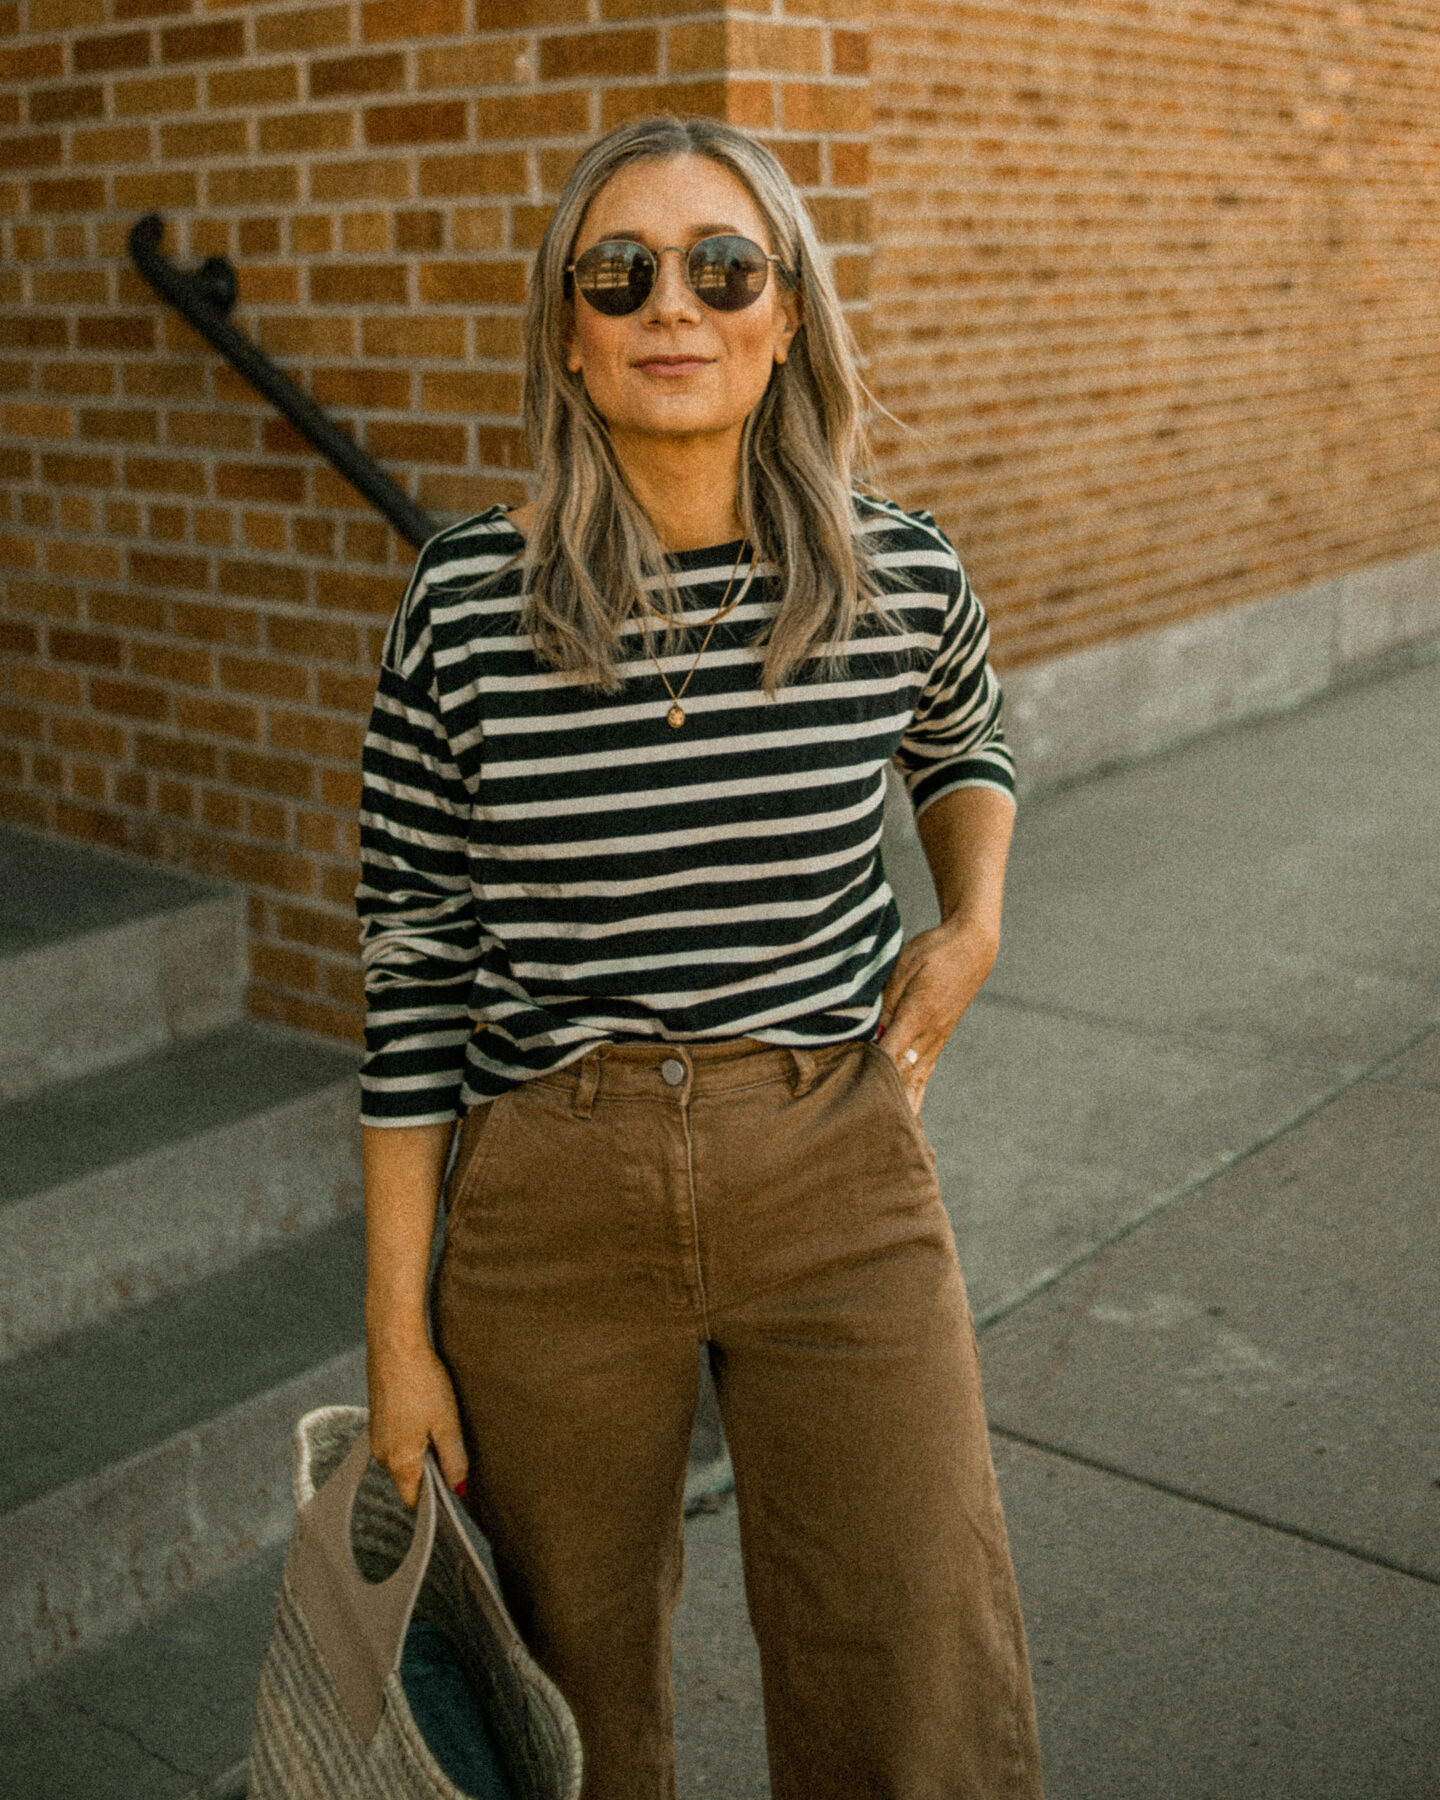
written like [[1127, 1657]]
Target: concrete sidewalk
[[1190, 1139]]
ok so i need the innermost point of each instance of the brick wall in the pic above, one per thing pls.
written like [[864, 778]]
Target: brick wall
[[1156, 287], [1159, 286], [193, 602]]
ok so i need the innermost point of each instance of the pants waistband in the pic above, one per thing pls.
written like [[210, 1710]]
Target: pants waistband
[[680, 1071]]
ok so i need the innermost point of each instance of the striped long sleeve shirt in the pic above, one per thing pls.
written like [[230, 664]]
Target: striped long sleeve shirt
[[546, 867]]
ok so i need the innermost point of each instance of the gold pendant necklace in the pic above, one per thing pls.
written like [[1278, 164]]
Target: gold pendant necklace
[[675, 718]]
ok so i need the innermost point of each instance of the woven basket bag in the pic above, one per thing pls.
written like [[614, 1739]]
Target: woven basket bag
[[332, 1720]]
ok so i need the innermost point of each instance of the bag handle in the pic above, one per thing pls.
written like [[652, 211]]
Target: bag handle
[[358, 1626]]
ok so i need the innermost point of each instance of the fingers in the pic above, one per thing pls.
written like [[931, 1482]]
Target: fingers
[[412, 1406], [450, 1454]]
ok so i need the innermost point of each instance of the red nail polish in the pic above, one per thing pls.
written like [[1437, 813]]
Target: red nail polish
[[879, 1033], [459, 1489]]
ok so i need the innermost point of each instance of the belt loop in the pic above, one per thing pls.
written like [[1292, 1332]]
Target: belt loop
[[589, 1079], [804, 1072]]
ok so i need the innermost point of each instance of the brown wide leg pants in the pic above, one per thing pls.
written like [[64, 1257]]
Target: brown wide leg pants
[[782, 1208]]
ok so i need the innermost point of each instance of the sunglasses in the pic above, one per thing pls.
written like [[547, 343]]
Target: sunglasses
[[617, 276]]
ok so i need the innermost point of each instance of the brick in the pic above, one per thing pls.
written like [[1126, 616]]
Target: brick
[[307, 131], [314, 537], [418, 122], [486, 173], [322, 930], [204, 137], [283, 968], [346, 693], [36, 421], [63, 105], [307, 336], [150, 9], [217, 40], [130, 700], [393, 441], [119, 425], [115, 50], [511, 15], [157, 96], [263, 580], [341, 787], [272, 184], [216, 624], [359, 284], [370, 388], [210, 431], [337, 740], [366, 540], [345, 592], [97, 650], [259, 481], [483, 227], [176, 755], [473, 283], [271, 86], [850, 52], [35, 150], [303, 28], [315, 639], [167, 380], [77, 193], [565, 113], [218, 718], [18, 552], [34, 333], [32, 62], [491, 63], [48, 599], [281, 438], [116, 331], [260, 237], [266, 676], [115, 144], [501, 448], [88, 737], [470, 391], [63, 470], [417, 336], [135, 612], [373, 178], [384, 21], [90, 562], [173, 662], [579, 56], [284, 775], [165, 187], [163, 475], [381, 74], [222, 811], [619, 105]]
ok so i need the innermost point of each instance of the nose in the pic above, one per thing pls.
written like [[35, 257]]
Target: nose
[[672, 296]]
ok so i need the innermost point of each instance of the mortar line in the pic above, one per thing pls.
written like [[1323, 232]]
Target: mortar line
[[1174, 1492]]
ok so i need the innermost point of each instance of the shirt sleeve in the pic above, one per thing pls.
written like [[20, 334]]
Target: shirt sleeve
[[956, 739], [419, 937]]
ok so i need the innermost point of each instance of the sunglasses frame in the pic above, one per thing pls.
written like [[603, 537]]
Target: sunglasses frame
[[783, 273]]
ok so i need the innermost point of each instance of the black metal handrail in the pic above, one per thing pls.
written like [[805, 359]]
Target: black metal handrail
[[204, 297]]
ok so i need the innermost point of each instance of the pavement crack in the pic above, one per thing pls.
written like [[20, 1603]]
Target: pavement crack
[[133, 1737], [1173, 1491]]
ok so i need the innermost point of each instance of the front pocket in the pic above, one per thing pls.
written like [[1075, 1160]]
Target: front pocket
[[477, 1143], [890, 1075]]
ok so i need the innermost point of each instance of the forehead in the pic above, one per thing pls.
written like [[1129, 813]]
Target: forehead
[[671, 198]]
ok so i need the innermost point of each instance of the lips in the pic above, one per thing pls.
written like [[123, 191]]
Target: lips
[[672, 365]]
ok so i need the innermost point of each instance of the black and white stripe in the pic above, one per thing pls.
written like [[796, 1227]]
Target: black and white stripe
[[545, 867]]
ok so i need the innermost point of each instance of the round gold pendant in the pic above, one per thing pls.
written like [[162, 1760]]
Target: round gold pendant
[[675, 718]]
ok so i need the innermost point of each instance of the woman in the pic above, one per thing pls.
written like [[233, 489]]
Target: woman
[[624, 912]]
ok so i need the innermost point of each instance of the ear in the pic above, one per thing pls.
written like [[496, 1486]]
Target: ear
[[789, 317], [570, 343]]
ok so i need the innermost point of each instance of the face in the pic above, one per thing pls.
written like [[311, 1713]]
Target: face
[[677, 368]]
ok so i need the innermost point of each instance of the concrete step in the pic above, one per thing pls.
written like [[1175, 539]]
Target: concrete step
[[102, 959], [121, 1185], [144, 1455]]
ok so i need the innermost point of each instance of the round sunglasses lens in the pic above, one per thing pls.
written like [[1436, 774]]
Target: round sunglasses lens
[[616, 278], [728, 273]]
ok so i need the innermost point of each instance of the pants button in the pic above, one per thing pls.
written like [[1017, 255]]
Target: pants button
[[673, 1070]]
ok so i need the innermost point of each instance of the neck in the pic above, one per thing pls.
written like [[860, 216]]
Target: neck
[[687, 486]]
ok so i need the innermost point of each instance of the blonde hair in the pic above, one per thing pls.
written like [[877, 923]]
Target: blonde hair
[[591, 547]]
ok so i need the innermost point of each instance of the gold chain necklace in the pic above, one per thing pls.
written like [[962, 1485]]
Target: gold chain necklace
[[675, 718]]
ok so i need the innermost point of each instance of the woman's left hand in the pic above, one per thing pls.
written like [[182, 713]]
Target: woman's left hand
[[936, 976]]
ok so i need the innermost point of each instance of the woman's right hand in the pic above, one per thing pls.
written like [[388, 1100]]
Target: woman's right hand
[[412, 1405]]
